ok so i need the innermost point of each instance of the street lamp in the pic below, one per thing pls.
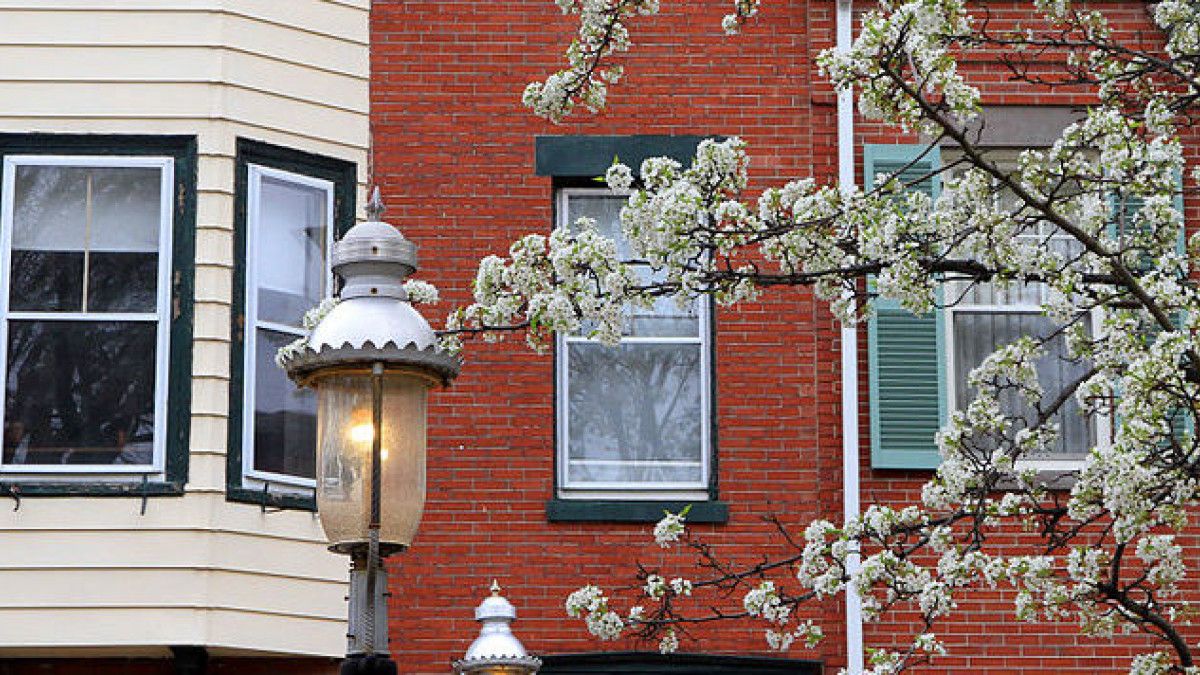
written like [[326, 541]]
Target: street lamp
[[372, 360], [496, 651]]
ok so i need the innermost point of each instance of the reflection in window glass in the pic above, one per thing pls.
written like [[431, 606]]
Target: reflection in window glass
[[284, 414], [634, 417], [83, 315], [288, 236], [85, 239], [63, 409]]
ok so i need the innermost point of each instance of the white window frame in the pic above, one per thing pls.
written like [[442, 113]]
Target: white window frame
[[161, 316], [631, 491], [251, 477]]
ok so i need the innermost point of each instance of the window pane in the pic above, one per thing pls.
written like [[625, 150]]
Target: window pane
[[123, 242], [285, 422], [101, 223], [126, 209], [634, 413], [290, 256], [48, 281], [978, 334], [49, 217], [122, 282], [80, 392], [666, 318]]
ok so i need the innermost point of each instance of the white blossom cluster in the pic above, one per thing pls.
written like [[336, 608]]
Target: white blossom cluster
[[308, 322], [668, 530], [590, 604], [603, 32]]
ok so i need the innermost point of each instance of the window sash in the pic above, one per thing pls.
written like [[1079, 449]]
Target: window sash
[[254, 477], [161, 316], [1101, 425], [631, 489]]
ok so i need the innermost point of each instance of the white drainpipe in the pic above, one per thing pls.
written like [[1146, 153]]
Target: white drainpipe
[[850, 403]]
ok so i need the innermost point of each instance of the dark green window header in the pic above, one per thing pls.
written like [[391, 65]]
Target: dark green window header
[[590, 156]]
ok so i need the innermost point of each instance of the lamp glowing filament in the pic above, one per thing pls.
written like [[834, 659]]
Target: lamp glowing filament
[[362, 433]]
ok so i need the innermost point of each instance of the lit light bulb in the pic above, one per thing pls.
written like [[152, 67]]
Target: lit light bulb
[[362, 433]]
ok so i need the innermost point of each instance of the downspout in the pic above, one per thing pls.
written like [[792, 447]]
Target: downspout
[[850, 402]]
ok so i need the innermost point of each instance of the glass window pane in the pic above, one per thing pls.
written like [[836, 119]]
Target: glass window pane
[[978, 334], [666, 318], [49, 219], [46, 281], [101, 223], [634, 413], [80, 392], [290, 257], [122, 282], [126, 209], [285, 422]]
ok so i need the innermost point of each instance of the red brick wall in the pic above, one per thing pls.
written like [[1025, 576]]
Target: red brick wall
[[454, 155]]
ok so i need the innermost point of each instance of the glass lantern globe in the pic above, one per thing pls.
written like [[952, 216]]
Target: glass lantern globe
[[345, 438]]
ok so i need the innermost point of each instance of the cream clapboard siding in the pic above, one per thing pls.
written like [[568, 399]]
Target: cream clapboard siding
[[92, 576]]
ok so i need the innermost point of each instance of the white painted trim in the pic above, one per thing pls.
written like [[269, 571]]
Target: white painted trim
[[162, 316], [851, 494], [253, 478], [628, 490]]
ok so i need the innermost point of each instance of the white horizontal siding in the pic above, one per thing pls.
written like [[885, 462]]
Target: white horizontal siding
[[197, 569]]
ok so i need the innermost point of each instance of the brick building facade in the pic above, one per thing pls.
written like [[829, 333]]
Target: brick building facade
[[466, 170]]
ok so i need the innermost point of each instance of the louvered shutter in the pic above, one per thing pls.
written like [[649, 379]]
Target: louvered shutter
[[905, 352], [1123, 216]]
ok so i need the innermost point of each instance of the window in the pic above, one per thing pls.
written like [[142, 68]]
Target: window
[[96, 263], [634, 420], [981, 318], [919, 365], [290, 205], [288, 235]]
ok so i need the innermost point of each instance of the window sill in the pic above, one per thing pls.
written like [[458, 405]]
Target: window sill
[[272, 500], [49, 488], [612, 511]]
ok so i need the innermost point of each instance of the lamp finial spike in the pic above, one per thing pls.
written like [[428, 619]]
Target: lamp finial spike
[[375, 207], [495, 587]]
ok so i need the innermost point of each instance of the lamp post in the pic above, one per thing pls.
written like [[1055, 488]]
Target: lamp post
[[496, 651], [372, 360]]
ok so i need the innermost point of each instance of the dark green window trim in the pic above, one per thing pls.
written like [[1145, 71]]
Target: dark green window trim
[[182, 150], [650, 663], [570, 160], [344, 176], [629, 511], [565, 157]]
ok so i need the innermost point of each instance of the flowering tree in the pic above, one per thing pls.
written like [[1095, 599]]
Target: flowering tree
[[1116, 285]]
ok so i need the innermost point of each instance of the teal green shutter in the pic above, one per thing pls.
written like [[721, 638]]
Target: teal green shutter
[[1123, 214], [905, 362]]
